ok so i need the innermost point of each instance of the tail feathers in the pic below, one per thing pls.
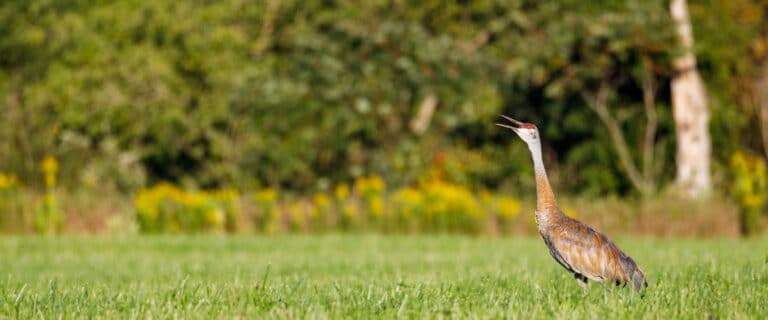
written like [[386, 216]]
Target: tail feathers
[[638, 280], [636, 275]]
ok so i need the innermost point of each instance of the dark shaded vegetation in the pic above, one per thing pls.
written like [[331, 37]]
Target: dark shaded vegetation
[[300, 96]]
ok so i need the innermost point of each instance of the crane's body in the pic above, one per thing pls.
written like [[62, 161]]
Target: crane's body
[[581, 250]]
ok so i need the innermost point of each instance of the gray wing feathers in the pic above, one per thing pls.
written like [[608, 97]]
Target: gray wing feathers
[[556, 254]]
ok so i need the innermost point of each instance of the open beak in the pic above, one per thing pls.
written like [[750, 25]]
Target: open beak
[[517, 124]]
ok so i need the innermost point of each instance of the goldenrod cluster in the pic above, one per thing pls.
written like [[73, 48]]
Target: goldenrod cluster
[[48, 217], [8, 182], [166, 208], [50, 167], [431, 205], [750, 188], [8, 201]]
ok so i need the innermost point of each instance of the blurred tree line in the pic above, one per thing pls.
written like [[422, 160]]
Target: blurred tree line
[[302, 94]]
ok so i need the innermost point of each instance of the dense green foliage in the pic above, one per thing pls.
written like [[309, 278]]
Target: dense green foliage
[[301, 95], [367, 276]]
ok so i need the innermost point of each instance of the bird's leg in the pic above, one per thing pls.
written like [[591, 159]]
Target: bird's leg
[[582, 280]]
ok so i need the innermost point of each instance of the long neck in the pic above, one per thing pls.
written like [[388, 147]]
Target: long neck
[[545, 198]]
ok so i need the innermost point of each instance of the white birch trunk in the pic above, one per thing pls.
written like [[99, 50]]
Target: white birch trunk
[[689, 105]]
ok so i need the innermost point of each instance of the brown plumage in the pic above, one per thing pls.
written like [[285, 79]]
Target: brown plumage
[[581, 250]]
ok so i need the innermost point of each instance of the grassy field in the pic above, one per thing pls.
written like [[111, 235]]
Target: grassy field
[[353, 276]]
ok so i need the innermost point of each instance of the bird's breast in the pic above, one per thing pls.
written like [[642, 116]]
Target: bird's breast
[[543, 220]]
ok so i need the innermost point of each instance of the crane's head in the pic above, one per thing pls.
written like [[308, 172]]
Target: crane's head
[[527, 131]]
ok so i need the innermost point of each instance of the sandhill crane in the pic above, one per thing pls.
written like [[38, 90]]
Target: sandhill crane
[[586, 253]]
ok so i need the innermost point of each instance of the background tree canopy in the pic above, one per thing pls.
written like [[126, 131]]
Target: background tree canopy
[[300, 95]]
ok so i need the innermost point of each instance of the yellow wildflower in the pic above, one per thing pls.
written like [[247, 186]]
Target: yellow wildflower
[[408, 196], [376, 184], [487, 198], [342, 191], [368, 186], [267, 195], [214, 217], [349, 210], [226, 195], [50, 168], [376, 206], [752, 200], [274, 214], [50, 164], [192, 199], [508, 207], [314, 212], [321, 200], [408, 201], [296, 211]]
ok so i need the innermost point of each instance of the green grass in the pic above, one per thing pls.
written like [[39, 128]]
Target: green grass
[[351, 276]]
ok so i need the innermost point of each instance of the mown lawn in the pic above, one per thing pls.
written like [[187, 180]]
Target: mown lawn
[[356, 276]]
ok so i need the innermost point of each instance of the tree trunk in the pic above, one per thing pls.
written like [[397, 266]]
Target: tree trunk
[[689, 105], [267, 28], [420, 123], [598, 102]]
